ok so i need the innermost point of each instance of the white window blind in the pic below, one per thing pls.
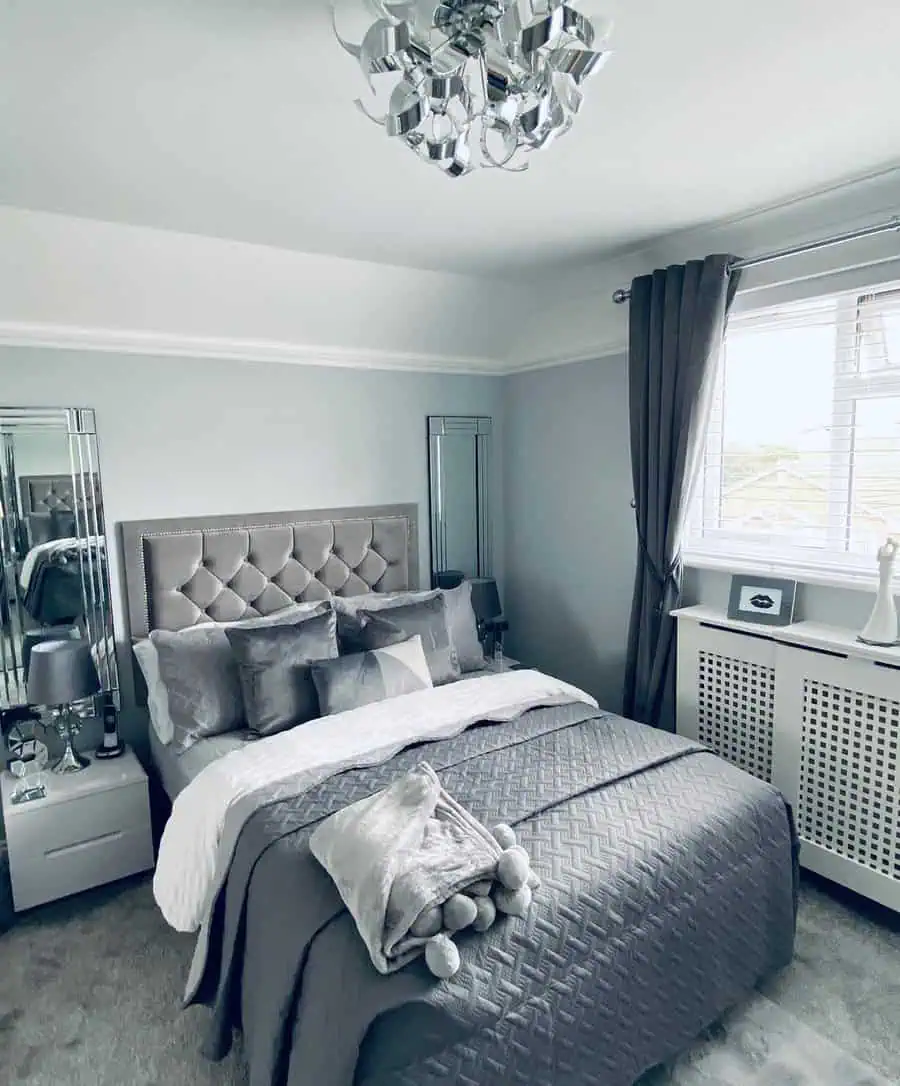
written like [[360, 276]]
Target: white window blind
[[801, 470]]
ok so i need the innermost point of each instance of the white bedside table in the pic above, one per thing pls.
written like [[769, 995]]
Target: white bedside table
[[509, 664], [91, 827]]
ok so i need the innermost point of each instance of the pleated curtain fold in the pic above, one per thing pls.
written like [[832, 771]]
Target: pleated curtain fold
[[676, 329]]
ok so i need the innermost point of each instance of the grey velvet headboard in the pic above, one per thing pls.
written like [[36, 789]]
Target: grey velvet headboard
[[52, 493], [187, 570]]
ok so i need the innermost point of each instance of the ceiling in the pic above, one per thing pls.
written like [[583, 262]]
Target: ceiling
[[235, 118]]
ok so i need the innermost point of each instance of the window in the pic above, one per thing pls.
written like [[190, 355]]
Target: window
[[801, 470]]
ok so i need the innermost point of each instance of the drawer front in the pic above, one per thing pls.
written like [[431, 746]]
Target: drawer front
[[45, 829], [69, 869]]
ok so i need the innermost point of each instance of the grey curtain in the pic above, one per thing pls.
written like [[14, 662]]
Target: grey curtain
[[677, 322]]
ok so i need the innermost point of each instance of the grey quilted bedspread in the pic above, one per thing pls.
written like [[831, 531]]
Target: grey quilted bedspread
[[668, 889]]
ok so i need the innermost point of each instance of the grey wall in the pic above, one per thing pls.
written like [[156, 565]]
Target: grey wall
[[184, 437], [570, 540]]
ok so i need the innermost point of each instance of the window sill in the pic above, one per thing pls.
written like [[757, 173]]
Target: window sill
[[850, 580]]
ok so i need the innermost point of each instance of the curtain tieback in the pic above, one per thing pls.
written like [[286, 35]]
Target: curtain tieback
[[662, 579]]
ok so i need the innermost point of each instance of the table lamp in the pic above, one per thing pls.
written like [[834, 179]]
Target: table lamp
[[486, 605], [61, 673]]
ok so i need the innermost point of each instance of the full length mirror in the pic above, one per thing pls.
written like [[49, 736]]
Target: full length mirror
[[459, 454], [54, 583]]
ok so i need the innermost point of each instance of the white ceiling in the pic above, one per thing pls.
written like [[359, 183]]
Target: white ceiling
[[235, 118]]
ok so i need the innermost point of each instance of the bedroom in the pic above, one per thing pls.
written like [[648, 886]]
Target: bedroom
[[262, 298]]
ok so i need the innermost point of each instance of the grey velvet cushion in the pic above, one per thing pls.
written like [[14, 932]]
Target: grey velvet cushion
[[463, 627], [377, 632], [461, 621], [380, 601], [201, 678], [273, 664], [366, 677], [428, 619], [348, 609]]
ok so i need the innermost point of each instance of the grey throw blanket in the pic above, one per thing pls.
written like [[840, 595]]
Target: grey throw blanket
[[397, 854]]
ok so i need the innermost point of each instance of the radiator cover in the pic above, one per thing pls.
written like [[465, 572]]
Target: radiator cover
[[815, 713]]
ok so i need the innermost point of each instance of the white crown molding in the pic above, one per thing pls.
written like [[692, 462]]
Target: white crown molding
[[61, 337], [122, 341], [594, 353]]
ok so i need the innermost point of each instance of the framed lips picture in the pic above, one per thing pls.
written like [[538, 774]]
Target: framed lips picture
[[766, 600]]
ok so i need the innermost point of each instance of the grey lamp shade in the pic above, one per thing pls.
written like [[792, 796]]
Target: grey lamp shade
[[61, 672], [485, 598], [449, 578]]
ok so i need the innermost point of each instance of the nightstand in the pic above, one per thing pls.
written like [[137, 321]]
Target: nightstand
[[509, 664], [91, 827]]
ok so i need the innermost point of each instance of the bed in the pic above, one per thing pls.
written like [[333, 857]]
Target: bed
[[668, 876]]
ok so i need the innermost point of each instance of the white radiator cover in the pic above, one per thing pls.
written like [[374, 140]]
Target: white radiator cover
[[817, 714]]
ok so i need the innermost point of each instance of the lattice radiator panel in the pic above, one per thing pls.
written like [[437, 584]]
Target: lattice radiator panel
[[736, 710], [850, 758]]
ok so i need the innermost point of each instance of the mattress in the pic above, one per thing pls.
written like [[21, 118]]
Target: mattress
[[176, 771]]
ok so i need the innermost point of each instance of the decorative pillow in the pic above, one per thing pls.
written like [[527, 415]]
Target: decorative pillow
[[273, 665], [349, 607], [366, 677], [463, 627], [428, 619], [379, 601], [157, 698], [377, 632], [201, 678]]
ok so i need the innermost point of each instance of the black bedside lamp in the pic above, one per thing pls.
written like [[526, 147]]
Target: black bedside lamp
[[486, 605]]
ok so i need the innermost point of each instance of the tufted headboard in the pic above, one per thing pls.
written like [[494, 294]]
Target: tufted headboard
[[49, 502], [53, 493], [183, 571]]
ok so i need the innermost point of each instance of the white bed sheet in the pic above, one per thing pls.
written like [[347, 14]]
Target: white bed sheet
[[176, 771]]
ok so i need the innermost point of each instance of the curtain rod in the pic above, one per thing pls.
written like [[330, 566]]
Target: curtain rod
[[623, 295]]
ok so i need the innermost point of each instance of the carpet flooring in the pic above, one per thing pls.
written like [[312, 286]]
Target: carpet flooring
[[90, 987]]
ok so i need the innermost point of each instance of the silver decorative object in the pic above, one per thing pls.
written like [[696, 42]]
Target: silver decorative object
[[63, 678], [477, 83]]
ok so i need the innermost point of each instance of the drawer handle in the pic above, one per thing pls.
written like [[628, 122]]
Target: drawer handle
[[83, 844]]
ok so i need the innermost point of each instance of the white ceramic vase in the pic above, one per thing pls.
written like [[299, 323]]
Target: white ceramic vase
[[882, 627]]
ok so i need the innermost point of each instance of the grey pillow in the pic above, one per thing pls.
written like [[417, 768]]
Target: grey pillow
[[428, 619], [463, 627], [380, 601], [377, 632], [200, 674], [366, 677], [273, 664], [349, 607]]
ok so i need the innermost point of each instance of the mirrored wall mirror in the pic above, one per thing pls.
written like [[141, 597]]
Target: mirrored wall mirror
[[54, 583], [459, 467]]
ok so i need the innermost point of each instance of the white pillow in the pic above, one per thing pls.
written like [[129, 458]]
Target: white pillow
[[157, 698]]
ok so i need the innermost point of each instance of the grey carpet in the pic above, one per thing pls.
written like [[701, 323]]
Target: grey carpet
[[90, 987]]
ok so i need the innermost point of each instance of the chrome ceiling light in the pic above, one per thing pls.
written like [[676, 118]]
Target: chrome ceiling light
[[477, 83]]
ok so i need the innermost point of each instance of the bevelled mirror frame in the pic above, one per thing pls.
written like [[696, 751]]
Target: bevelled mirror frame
[[74, 492], [459, 474]]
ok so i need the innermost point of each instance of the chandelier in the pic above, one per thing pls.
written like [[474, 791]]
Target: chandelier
[[477, 83]]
